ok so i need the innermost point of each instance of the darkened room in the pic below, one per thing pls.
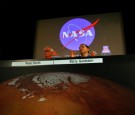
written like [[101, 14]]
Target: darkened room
[[39, 76]]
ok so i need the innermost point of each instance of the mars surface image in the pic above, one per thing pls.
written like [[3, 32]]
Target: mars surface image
[[65, 93]]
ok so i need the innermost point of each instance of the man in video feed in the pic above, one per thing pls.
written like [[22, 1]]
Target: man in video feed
[[49, 53], [85, 51]]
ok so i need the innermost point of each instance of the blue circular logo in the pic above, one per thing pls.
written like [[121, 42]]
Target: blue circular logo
[[75, 32]]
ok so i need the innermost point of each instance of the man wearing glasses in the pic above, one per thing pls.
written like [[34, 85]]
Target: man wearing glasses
[[49, 53]]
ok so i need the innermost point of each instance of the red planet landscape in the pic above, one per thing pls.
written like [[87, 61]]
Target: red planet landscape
[[65, 93]]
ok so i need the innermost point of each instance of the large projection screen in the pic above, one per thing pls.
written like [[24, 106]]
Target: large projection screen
[[108, 33]]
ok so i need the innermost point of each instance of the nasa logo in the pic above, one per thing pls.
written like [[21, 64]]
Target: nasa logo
[[77, 31]]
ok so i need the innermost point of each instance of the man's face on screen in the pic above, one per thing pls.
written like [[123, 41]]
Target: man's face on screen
[[48, 53], [83, 49]]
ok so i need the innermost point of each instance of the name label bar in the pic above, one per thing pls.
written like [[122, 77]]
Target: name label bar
[[57, 62]]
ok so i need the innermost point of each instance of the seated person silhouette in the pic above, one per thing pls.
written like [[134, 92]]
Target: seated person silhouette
[[49, 53]]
